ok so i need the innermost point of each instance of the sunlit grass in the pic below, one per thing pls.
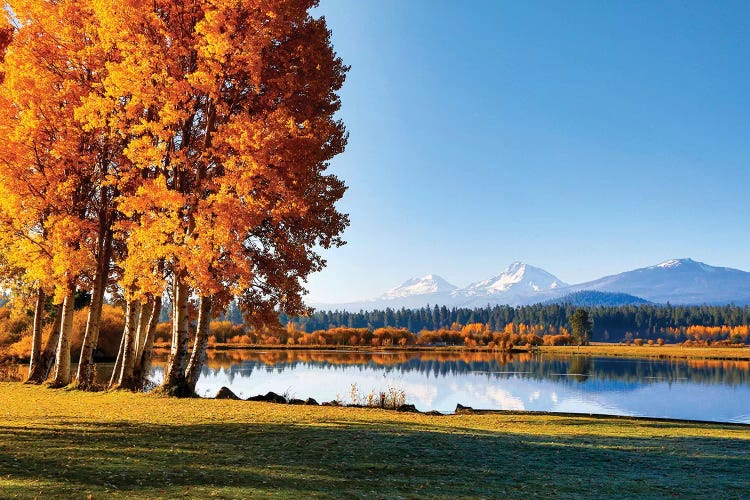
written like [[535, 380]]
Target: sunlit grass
[[56, 443], [654, 351]]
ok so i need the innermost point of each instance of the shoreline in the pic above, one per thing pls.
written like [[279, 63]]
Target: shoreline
[[667, 351]]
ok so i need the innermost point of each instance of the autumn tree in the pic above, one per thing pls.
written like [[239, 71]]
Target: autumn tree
[[230, 110], [49, 164], [6, 35], [167, 146]]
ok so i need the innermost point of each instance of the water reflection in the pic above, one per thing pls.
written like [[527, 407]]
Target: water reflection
[[696, 389], [717, 390]]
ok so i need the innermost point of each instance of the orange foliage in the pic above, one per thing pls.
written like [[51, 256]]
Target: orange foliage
[[473, 335], [563, 339], [225, 358], [735, 334]]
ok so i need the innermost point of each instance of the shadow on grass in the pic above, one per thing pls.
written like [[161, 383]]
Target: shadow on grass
[[349, 459]]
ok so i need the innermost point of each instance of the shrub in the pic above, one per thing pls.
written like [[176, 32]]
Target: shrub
[[163, 332], [390, 399]]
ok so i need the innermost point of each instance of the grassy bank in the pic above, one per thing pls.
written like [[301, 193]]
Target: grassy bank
[[71, 444], [655, 351]]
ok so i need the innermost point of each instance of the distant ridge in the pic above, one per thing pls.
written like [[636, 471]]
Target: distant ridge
[[592, 298], [677, 281]]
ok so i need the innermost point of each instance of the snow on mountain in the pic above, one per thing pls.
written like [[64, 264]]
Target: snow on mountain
[[432, 283], [678, 281], [518, 278], [412, 293], [518, 284]]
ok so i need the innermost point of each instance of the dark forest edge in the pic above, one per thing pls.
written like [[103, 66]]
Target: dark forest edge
[[499, 328]]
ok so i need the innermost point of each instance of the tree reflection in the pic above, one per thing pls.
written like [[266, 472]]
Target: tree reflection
[[242, 362], [580, 368]]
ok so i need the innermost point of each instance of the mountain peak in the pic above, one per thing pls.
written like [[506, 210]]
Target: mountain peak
[[678, 281], [431, 283], [674, 263], [684, 264], [517, 278], [515, 266]]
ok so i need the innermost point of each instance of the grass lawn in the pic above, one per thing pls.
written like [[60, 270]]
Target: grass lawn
[[56, 443]]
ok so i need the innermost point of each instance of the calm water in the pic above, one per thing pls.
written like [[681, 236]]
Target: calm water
[[701, 390]]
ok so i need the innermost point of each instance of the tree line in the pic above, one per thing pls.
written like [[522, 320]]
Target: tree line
[[610, 323], [471, 335], [163, 150]]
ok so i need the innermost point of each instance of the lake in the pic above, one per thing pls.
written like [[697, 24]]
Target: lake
[[712, 390]]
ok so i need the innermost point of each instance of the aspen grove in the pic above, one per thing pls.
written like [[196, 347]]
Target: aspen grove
[[163, 152]]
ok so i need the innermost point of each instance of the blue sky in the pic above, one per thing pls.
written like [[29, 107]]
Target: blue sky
[[586, 138]]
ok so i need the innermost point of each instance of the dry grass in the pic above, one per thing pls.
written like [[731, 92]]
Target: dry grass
[[655, 351], [66, 444]]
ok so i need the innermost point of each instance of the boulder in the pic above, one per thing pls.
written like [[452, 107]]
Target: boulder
[[296, 402], [269, 397], [311, 402], [407, 408], [226, 393], [463, 409]]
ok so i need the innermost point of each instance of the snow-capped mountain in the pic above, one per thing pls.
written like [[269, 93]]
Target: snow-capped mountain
[[432, 283], [516, 279], [412, 293], [518, 284], [678, 281]]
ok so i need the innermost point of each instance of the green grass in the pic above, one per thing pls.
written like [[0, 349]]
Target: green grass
[[56, 443]]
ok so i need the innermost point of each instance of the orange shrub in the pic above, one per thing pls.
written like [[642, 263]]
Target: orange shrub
[[554, 340], [110, 330], [163, 332]]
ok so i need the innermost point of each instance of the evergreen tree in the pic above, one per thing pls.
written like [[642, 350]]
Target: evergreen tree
[[581, 326]]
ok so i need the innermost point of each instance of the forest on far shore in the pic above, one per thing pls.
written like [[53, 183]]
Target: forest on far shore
[[498, 327], [611, 323]]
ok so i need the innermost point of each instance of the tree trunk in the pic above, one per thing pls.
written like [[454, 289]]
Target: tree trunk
[[175, 383], [144, 316], [36, 335], [62, 360], [144, 364], [85, 373], [118, 361], [132, 310], [47, 359], [201, 341]]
